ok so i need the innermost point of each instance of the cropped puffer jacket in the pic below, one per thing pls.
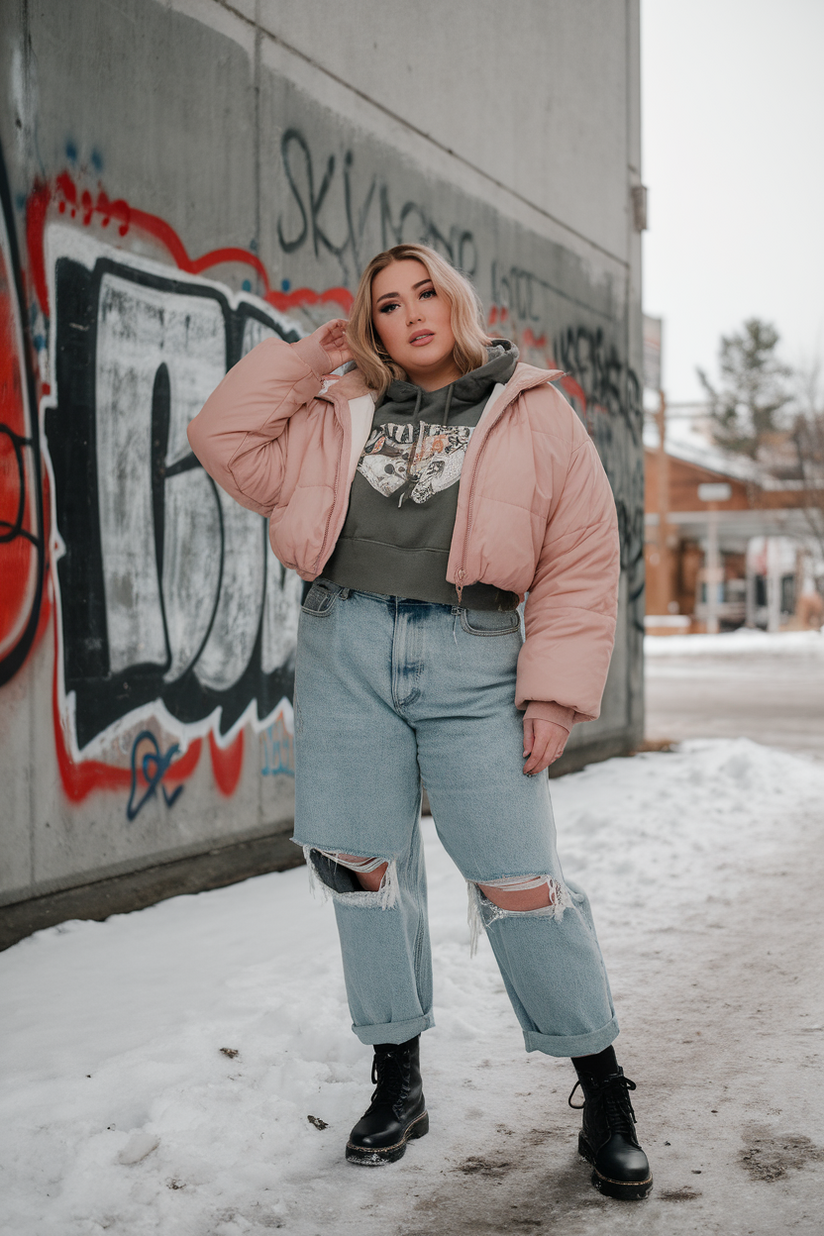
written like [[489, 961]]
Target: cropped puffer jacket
[[535, 512]]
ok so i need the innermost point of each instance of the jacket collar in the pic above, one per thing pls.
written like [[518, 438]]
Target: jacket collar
[[527, 376], [340, 391]]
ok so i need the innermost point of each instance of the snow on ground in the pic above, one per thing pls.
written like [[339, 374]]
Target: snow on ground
[[189, 1068]]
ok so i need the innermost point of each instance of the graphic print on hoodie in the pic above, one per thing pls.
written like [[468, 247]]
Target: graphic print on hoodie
[[404, 497], [420, 461]]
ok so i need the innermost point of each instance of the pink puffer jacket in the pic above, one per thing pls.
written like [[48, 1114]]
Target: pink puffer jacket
[[535, 511]]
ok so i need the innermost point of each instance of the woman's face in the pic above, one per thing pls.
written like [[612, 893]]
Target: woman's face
[[413, 323]]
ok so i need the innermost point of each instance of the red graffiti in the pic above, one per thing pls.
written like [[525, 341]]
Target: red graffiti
[[227, 764], [64, 191], [79, 780], [183, 768], [18, 564], [20, 542]]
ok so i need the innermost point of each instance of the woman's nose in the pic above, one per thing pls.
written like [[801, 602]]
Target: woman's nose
[[413, 315]]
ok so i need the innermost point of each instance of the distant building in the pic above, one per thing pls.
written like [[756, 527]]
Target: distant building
[[726, 541]]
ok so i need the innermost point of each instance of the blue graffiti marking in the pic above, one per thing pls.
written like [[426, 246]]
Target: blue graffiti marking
[[277, 752], [154, 766]]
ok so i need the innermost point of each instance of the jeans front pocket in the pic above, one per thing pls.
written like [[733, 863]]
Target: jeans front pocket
[[320, 598], [490, 621]]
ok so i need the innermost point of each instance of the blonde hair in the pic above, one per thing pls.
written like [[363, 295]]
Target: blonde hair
[[471, 340]]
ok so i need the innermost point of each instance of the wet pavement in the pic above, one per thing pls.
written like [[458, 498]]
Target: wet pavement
[[777, 700]]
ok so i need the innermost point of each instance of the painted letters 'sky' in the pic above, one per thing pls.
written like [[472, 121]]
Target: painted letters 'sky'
[[168, 590]]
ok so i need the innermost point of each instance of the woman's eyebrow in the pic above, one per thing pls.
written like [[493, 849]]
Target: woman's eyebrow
[[415, 286]]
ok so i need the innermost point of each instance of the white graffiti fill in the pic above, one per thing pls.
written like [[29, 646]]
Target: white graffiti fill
[[431, 456], [139, 328], [186, 603]]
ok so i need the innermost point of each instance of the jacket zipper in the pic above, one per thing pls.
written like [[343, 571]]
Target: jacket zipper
[[335, 494], [459, 587]]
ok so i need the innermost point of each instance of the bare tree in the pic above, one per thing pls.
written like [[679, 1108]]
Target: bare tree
[[745, 410]]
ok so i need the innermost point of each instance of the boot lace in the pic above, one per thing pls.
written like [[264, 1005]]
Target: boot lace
[[612, 1094], [390, 1077]]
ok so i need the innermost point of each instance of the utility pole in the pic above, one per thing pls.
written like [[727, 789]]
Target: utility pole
[[773, 584], [712, 571], [712, 493]]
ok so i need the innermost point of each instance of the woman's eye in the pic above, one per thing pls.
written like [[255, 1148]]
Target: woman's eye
[[387, 308], [429, 292]]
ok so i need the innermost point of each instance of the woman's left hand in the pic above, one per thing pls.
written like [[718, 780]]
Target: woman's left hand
[[544, 742]]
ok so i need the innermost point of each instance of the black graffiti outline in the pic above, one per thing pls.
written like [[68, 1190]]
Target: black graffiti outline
[[613, 395], [103, 697], [14, 658], [507, 291], [459, 246]]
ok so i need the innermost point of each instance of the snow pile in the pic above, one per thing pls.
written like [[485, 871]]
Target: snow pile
[[190, 1069], [737, 643]]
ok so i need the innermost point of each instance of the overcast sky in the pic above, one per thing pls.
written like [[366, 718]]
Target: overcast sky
[[733, 155]]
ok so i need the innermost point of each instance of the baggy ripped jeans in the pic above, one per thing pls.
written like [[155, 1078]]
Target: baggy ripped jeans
[[392, 692]]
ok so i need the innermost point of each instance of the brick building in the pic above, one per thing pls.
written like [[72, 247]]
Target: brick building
[[724, 542]]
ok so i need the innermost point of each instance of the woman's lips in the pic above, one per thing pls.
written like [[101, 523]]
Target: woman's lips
[[422, 337]]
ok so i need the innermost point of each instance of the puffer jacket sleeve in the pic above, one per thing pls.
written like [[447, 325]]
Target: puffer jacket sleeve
[[571, 609], [239, 434]]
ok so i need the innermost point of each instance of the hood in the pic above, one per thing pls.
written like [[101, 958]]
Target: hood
[[503, 360], [466, 392]]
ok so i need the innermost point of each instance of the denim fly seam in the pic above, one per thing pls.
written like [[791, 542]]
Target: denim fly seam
[[482, 913], [385, 898]]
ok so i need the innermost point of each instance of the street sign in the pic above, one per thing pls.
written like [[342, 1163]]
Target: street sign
[[718, 491]]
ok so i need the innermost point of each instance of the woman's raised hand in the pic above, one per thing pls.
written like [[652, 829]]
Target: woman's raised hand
[[332, 338]]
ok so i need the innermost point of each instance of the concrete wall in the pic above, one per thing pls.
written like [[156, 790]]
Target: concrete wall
[[178, 180]]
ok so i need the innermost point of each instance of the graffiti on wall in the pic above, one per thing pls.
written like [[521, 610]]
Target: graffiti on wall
[[174, 624], [169, 593], [170, 609], [22, 539], [325, 216]]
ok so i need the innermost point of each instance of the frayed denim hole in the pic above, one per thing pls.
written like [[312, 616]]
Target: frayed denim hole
[[482, 912], [473, 916], [328, 875], [336, 880]]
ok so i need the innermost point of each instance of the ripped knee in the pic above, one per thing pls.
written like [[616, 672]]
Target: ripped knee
[[514, 897], [522, 893], [359, 881], [369, 871]]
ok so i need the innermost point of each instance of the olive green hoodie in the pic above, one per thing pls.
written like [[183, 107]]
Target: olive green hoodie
[[402, 505]]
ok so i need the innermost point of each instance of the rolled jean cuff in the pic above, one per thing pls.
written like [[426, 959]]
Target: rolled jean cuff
[[395, 1031], [572, 1044]]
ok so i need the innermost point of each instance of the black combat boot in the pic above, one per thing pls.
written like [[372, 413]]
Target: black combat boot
[[398, 1109], [607, 1138]]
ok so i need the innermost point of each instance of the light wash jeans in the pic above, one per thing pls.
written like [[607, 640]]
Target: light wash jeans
[[390, 692]]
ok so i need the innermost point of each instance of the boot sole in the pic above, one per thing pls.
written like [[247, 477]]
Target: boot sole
[[366, 1156], [624, 1190]]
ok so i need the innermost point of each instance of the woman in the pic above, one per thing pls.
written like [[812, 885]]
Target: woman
[[420, 496]]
